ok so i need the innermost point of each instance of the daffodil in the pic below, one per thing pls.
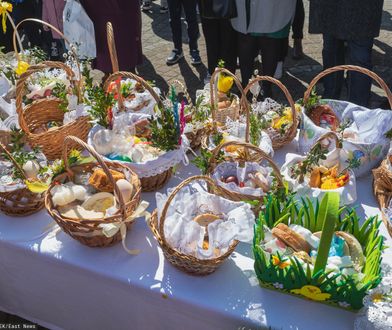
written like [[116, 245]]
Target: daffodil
[[21, 68], [5, 8], [276, 261], [225, 83], [312, 292]]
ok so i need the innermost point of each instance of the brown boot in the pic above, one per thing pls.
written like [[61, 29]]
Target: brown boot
[[297, 49]]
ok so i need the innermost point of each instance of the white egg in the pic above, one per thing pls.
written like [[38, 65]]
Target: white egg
[[31, 169], [62, 195], [126, 189]]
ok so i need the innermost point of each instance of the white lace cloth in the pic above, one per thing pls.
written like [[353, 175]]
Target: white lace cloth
[[348, 193], [377, 311], [185, 235], [368, 129], [53, 76], [226, 169], [140, 98], [155, 166]]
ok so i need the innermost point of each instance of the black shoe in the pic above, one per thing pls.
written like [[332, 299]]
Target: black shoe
[[195, 57], [174, 57]]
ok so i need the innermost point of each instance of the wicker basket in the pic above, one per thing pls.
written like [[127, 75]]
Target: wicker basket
[[355, 68], [20, 202], [278, 141], [33, 119], [231, 112], [151, 183], [370, 153], [87, 231], [251, 154], [382, 188], [186, 263]]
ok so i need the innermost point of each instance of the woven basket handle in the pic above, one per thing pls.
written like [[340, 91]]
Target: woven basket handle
[[178, 84], [282, 87], [12, 159], [112, 46], [173, 194], [72, 139], [75, 56], [123, 74], [114, 59], [328, 135], [261, 155], [20, 87], [214, 92], [359, 69]]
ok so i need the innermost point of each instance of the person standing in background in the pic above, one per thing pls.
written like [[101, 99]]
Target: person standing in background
[[298, 30], [262, 26], [221, 38], [356, 24], [29, 9], [52, 13], [125, 17], [175, 9]]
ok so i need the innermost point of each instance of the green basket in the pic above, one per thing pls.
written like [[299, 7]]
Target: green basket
[[289, 276]]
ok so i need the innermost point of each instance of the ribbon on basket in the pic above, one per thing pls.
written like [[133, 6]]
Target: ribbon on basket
[[5, 9], [109, 229]]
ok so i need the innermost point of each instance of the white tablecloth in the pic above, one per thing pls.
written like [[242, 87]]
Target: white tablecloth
[[61, 284]]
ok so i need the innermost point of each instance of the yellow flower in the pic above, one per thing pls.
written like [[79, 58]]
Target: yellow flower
[[377, 297], [280, 263], [312, 292], [4, 8], [21, 68], [36, 187], [225, 83]]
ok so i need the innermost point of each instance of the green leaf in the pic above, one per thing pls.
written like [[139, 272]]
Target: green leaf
[[329, 207]]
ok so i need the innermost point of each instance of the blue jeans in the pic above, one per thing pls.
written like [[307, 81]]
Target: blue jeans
[[355, 52]]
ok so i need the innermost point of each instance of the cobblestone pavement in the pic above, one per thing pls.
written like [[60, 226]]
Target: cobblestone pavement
[[157, 45]]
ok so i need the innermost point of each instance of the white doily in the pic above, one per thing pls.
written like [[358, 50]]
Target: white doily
[[140, 98], [226, 169], [155, 166], [184, 234], [348, 193], [377, 311]]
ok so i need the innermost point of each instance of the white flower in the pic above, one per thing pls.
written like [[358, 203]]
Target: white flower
[[277, 285]]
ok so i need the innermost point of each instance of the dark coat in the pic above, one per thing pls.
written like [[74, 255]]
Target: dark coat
[[346, 19], [126, 20]]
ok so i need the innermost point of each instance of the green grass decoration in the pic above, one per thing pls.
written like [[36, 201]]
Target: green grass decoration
[[327, 215], [333, 289]]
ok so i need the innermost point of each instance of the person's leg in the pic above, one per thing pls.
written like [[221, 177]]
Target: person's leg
[[298, 27], [175, 22], [271, 49], [191, 20], [228, 44], [211, 35], [247, 47], [333, 54], [359, 85]]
